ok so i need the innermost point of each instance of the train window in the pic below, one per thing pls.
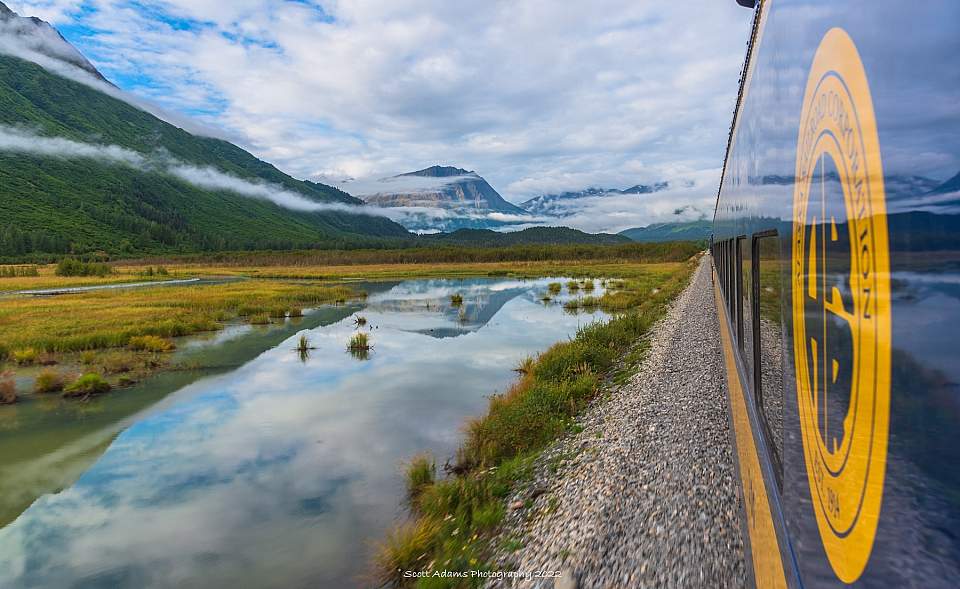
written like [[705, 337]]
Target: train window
[[733, 285], [737, 297], [768, 341], [721, 267], [744, 249], [730, 280]]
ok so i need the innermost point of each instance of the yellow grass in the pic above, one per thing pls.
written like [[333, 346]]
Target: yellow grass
[[47, 279], [104, 319], [530, 269]]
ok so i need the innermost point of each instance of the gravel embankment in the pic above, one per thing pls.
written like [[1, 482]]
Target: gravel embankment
[[646, 495]]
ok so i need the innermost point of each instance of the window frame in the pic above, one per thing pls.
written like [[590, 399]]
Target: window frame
[[775, 459]]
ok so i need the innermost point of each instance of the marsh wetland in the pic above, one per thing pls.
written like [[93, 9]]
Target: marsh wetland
[[279, 447]]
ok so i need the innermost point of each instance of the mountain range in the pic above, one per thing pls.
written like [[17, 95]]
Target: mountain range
[[559, 204]]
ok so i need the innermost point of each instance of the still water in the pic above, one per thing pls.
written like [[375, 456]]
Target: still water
[[263, 468]]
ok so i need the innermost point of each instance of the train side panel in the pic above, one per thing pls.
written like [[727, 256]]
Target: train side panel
[[837, 252]]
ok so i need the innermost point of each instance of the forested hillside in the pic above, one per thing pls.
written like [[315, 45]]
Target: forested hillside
[[55, 205]]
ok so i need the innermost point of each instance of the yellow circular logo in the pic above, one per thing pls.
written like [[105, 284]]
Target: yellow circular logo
[[841, 304]]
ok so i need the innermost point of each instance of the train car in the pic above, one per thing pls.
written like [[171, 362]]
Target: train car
[[836, 252]]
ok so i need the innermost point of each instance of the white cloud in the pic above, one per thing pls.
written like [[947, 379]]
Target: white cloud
[[20, 141]]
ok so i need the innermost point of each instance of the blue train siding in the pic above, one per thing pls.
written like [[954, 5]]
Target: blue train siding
[[846, 149]]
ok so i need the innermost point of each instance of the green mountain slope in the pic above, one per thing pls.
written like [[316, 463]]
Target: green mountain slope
[[57, 205], [685, 231]]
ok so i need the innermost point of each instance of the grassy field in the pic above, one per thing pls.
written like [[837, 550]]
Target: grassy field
[[97, 330], [455, 519], [125, 334], [46, 278]]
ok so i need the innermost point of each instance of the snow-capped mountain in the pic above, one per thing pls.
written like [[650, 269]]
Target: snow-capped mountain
[[441, 198], [564, 204]]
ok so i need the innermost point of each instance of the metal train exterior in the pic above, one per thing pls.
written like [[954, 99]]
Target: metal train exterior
[[836, 253]]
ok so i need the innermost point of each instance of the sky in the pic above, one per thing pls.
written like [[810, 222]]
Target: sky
[[536, 96]]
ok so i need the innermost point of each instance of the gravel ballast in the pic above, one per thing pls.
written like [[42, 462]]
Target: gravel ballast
[[646, 494]]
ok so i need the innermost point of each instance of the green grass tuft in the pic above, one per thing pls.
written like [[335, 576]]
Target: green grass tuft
[[421, 473], [87, 385], [360, 342]]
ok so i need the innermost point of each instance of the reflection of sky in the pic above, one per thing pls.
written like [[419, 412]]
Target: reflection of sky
[[926, 319], [913, 83], [281, 472]]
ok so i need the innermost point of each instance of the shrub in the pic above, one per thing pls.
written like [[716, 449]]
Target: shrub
[[150, 343], [588, 286], [18, 271], [554, 288], [74, 267], [87, 385], [421, 472], [88, 357], [573, 286], [456, 299], [48, 381], [25, 356]]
